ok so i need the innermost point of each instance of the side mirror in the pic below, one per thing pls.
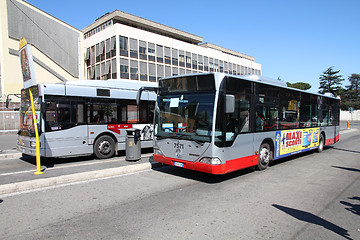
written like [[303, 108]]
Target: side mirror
[[230, 103]]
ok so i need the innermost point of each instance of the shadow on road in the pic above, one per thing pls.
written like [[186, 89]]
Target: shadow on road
[[200, 176], [311, 218], [346, 150], [354, 208], [349, 169]]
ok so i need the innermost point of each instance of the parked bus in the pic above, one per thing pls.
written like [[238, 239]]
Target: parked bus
[[84, 117], [219, 123]]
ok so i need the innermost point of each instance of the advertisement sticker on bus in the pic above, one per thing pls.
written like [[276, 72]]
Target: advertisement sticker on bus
[[288, 142]]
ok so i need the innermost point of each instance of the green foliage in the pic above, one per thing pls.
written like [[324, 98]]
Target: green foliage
[[330, 81], [350, 97], [299, 85]]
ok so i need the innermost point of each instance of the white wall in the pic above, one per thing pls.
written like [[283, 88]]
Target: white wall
[[347, 116]]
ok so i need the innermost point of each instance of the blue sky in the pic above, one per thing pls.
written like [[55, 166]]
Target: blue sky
[[295, 40]]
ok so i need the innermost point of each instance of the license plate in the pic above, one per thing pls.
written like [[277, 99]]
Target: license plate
[[178, 164]]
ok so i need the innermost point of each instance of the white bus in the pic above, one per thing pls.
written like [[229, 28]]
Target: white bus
[[219, 123], [84, 117]]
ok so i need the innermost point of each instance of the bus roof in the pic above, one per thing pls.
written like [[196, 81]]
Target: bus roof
[[256, 78]]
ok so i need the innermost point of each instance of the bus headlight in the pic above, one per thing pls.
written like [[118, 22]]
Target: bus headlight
[[210, 160], [33, 144]]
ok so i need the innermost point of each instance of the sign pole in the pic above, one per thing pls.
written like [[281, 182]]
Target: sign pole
[[38, 163], [27, 69]]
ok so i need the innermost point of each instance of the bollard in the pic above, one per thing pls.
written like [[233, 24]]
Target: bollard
[[348, 124]]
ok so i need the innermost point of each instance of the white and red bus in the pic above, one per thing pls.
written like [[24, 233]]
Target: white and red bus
[[85, 117], [219, 123]]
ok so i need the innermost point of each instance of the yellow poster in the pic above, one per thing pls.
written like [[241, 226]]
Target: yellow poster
[[288, 142]]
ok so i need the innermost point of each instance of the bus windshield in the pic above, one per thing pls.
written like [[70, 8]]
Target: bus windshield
[[186, 115], [26, 117]]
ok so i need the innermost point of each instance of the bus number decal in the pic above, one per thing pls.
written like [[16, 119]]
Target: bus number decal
[[178, 145]]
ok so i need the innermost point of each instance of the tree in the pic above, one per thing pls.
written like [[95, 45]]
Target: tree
[[350, 97], [330, 81], [299, 85], [354, 86]]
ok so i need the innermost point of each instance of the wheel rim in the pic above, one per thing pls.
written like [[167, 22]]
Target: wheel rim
[[264, 156], [105, 147]]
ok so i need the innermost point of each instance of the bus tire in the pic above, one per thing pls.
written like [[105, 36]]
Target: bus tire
[[265, 156], [104, 147], [321, 143]]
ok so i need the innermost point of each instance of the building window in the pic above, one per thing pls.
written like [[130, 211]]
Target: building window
[[242, 70], [182, 71], [181, 58], [226, 67], [194, 61], [133, 48], [159, 53], [167, 55], [160, 71], [102, 71], [102, 51], [113, 46], [113, 69], [188, 60], [123, 46], [167, 71], [238, 69], [152, 72], [216, 65], [97, 72], [134, 74], [234, 69], [151, 51], [175, 71], [107, 48], [87, 57], [230, 68], [206, 64], [124, 68], [175, 57], [97, 48], [211, 64], [143, 71], [200, 62], [142, 50], [221, 66]]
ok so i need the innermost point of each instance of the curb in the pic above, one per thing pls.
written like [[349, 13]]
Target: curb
[[72, 178], [10, 155]]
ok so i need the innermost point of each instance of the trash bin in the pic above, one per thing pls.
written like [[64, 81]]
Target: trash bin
[[133, 145]]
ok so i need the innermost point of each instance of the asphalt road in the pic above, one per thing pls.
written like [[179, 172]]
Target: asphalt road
[[311, 196]]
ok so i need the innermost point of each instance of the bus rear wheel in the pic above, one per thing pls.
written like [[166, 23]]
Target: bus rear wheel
[[321, 144], [104, 147], [265, 156]]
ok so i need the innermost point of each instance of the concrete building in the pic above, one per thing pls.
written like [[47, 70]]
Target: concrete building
[[54, 43], [121, 45]]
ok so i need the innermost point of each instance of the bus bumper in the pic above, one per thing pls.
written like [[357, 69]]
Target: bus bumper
[[197, 166], [229, 166]]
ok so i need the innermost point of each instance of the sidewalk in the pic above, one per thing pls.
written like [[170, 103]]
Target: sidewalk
[[19, 173]]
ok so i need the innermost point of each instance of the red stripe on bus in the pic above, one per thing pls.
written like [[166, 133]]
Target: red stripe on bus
[[116, 127], [229, 166], [330, 141]]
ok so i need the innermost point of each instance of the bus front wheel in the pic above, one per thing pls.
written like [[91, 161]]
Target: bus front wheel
[[104, 147], [265, 156]]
